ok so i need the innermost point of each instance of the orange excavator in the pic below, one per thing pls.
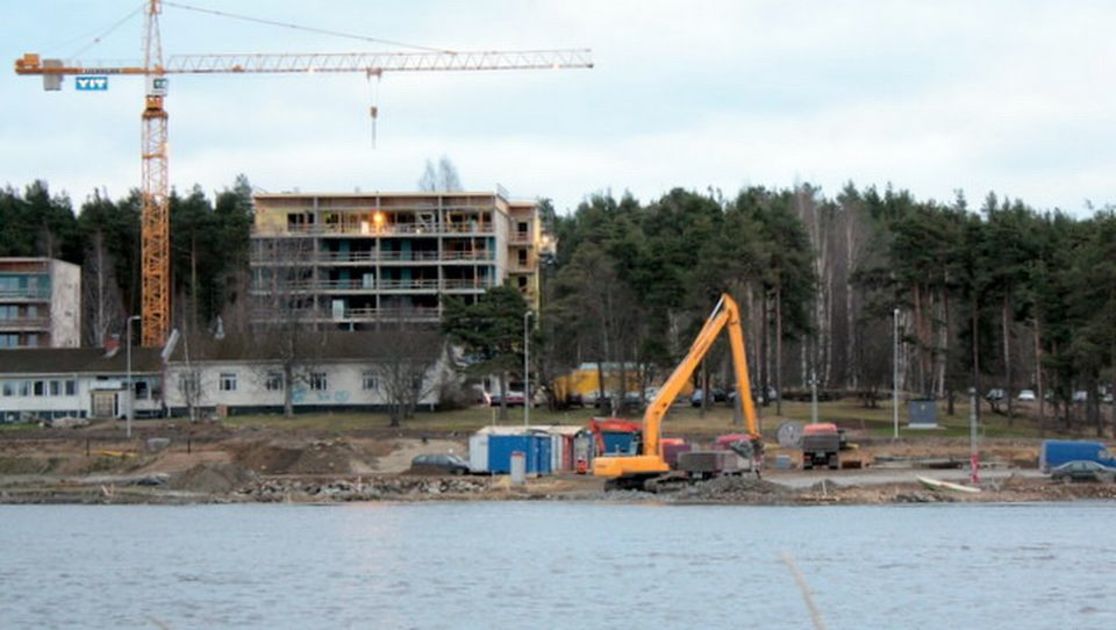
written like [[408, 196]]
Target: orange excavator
[[633, 471]]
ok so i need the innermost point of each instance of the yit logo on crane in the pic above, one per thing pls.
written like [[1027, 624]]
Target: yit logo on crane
[[90, 83], [156, 86]]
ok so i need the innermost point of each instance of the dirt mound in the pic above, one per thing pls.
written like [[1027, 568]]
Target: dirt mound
[[316, 458], [213, 478], [265, 457], [334, 456]]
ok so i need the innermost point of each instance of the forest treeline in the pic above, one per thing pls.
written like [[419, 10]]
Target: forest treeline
[[1001, 296], [998, 297], [209, 249]]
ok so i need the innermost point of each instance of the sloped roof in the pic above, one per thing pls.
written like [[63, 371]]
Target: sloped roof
[[77, 360], [310, 345], [552, 429]]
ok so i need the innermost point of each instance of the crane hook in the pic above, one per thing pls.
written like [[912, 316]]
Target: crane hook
[[373, 94]]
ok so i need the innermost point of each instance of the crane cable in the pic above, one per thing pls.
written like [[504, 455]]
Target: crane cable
[[98, 36], [309, 29]]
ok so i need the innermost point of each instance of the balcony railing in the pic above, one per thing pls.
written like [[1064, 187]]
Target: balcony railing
[[25, 323], [408, 285], [421, 284], [371, 229], [349, 314], [355, 257], [408, 256], [367, 314], [380, 257], [468, 256], [35, 293], [468, 284]]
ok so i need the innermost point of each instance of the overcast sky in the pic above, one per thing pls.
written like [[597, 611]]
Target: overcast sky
[[1015, 97]]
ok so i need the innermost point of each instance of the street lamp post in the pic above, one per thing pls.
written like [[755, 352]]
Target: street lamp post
[[131, 386], [813, 397], [895, 377], [526, 369]]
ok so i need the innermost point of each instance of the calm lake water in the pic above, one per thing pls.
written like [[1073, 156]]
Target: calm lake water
[[555, 565]]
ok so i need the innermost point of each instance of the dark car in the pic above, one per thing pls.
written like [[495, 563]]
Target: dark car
[[718, 395], [439, 464], [1083, 470]]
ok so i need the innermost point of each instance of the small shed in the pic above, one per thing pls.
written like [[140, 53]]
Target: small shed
[[922, 414]]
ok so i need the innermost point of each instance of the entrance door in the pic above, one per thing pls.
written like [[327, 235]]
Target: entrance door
[[104, 404]]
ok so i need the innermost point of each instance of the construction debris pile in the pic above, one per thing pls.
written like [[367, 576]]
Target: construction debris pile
[[373, 489]]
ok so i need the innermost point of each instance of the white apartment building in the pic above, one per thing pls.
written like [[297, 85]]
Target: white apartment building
[[40, 303]]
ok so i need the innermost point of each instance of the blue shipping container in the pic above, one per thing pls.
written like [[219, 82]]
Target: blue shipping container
[[536, 448]]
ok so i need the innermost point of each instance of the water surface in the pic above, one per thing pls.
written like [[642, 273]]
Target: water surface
[[580, 565]]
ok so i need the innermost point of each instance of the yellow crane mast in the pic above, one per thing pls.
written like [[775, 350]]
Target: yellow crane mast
[[155, 217]]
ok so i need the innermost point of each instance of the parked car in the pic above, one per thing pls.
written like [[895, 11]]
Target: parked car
[[1027, 395], [515, 399], [1080, 396], [759, 395], [995, 394], [439, 464], [1083, 470], [717, 395]]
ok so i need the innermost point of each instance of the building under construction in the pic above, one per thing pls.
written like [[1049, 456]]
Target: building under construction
[[356, 259]]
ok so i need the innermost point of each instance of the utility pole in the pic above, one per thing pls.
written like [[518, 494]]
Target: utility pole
[[895, 377], [813, 396], [131, 386], [974, 452]]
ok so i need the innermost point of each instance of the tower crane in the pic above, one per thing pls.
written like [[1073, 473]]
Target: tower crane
[[155, 214]]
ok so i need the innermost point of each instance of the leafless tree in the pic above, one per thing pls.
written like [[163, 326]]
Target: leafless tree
[[104, 312], [440, 178], [404, 356], [286, 315]]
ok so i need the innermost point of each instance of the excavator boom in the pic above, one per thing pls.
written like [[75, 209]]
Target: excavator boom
[[651, 462]]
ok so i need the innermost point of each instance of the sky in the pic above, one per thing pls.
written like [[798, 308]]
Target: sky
[[1013, 97]]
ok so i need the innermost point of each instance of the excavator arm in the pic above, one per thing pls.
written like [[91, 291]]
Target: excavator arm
[[651, 462]]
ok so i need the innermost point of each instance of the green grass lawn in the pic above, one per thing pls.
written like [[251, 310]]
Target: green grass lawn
[[681, 420], [19, 426]]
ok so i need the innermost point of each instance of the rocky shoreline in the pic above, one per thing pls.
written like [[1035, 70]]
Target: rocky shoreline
[[228, 483], [216, 464]]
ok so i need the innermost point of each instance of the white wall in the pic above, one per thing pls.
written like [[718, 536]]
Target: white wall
[[81, 402], [65, 304], [344, 386]]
